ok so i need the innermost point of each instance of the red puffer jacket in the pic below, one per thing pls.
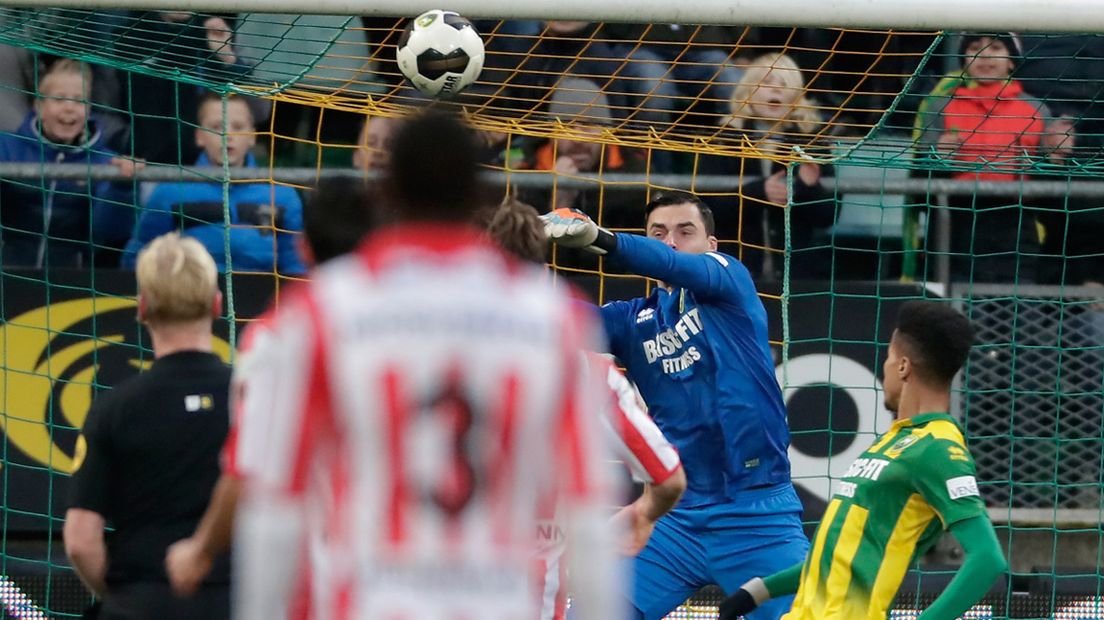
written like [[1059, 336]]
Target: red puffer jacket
[[998, 124]]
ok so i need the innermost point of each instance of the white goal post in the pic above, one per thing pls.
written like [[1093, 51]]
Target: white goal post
[[982, 15]]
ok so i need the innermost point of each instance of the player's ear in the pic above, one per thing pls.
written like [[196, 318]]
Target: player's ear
[[216, 305], [712, 243], [904, 368], [141, 308]]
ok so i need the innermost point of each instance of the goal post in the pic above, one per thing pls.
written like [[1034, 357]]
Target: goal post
[[1012, 15]]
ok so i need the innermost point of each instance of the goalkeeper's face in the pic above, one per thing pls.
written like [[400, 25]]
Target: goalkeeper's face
[[682, 228]]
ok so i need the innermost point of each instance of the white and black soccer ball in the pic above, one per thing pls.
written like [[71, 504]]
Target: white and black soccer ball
[[440, 53]]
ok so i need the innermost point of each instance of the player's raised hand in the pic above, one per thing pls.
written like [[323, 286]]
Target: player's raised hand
[[572, 228]]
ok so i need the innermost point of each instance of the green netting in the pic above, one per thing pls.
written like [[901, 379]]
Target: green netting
[[841, 212]]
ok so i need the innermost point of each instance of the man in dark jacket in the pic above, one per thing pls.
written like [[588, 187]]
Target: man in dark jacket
[[48, 222]]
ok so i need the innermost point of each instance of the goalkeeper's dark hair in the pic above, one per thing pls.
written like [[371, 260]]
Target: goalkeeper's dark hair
[[936, 338], [434, 168], [674, 198], [336, 216], [517, 228]]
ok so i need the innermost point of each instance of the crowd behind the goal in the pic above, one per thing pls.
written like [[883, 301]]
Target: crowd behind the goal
[[1013, 106]]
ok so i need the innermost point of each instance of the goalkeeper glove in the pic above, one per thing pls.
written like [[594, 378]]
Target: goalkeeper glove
[[572, 228], [745, 600]]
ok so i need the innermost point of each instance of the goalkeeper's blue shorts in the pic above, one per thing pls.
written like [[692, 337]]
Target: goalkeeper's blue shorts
[[727, 544]]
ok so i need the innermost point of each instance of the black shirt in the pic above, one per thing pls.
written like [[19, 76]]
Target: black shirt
[[153, 446]]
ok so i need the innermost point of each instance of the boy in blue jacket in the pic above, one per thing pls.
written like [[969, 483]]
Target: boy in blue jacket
[[261, 219], [51, 223], [697, 348]]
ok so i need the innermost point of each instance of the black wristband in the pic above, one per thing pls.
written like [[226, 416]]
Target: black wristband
[[606, 240], [739, 604]]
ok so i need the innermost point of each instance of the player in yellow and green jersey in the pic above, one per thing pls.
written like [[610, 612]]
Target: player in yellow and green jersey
[[916, 481]]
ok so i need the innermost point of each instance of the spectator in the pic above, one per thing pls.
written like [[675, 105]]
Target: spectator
[[57, 223], [770, 108], [581, 104], [373, 152], [261, 218], [1067, 72], [20, 68], [983, 122], [171, 42]]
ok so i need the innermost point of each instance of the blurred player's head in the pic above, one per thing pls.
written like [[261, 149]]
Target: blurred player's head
[[177, 283], [986, 57], [434, 170], [927, 350], [335, 218], [682, 221], [62, 104], [517, 228], [237, 129]]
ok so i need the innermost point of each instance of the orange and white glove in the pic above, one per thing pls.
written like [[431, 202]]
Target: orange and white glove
[[572, 228]]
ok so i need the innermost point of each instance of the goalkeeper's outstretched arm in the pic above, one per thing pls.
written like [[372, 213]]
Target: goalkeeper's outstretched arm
[[707, 275]]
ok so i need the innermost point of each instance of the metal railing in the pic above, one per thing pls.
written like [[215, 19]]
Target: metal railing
[[542, 178]]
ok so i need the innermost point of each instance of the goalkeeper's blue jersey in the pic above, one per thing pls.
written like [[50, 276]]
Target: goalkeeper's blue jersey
[[700, 356]]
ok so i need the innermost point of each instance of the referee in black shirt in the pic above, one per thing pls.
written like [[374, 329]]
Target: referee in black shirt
[[153, 447]]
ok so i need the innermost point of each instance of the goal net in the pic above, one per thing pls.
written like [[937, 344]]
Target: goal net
[[849, 169]]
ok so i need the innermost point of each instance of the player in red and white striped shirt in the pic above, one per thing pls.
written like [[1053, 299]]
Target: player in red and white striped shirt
[[635, 438], [426, 399]]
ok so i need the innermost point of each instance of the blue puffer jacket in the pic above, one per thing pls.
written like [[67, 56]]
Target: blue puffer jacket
[[52, 223], [264, 219]]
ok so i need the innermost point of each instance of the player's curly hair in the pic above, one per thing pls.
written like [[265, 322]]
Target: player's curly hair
[[936, 337], [517, 228]]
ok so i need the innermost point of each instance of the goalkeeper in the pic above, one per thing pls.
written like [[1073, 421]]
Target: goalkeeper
[[697, 349], [897, 498]]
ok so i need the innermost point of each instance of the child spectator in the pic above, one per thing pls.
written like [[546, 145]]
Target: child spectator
[[50, 222], [770, 108], [261, 219], [984, 119]]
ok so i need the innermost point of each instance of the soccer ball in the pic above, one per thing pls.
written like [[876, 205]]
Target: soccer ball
[[440, 53]]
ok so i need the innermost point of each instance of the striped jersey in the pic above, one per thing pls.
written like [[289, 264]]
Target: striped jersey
[[638, 443], [892, 504], [425, 401], [635, 438]]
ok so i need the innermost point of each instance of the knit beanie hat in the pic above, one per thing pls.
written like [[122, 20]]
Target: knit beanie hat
[[1006, 38]]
